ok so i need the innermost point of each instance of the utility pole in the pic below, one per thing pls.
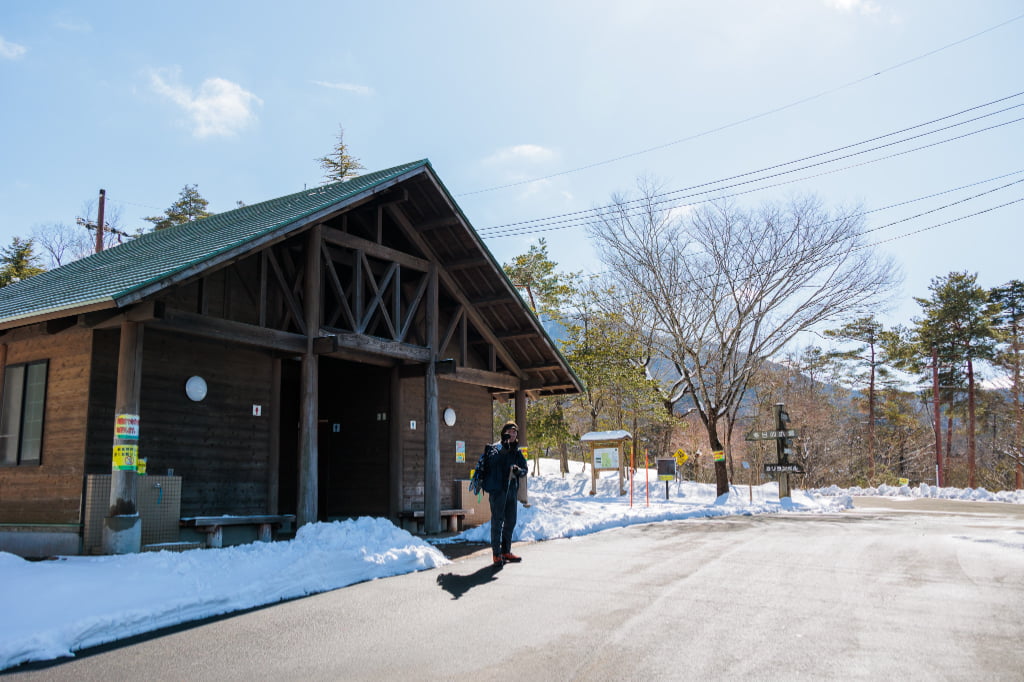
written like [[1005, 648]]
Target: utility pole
[[99, 221], [938, 417]]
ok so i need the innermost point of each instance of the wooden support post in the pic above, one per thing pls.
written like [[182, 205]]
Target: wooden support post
[[397, 468], [122, 528], [432, 427], [306, 511], [520, 411], [274, 460]]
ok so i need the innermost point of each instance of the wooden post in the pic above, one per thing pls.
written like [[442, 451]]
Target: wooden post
[[432, 427], [306, 511], [520, 411], [397, 469], [274, 457], [122, 529]]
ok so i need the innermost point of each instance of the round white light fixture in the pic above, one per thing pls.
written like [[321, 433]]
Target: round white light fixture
[[449, 416], [195, 388]]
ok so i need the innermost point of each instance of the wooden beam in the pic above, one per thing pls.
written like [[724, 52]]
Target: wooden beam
[[480, 377], [147, 311], [428, 225], [338, 238], [542, 368], [228, 330], [378, 346]]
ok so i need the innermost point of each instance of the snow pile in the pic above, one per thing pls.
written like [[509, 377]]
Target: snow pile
[[52, 608], [563, 507], [925, 490]]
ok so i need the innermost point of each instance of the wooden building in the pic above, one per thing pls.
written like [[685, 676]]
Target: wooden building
[[322, 336]]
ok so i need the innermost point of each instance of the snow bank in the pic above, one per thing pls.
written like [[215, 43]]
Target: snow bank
[[925, 490], [52, 608]]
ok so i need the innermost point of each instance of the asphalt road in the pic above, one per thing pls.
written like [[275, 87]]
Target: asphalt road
[[917, 589]]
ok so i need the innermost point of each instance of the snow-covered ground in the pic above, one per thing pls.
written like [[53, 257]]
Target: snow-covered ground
[[925, 490], [50, 609]]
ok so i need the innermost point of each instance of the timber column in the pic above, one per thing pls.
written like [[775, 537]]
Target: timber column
[[306, 511], [432, 427], [122, 528]]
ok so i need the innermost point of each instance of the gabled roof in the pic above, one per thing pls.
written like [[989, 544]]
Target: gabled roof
[[113, 274], [137, 269]]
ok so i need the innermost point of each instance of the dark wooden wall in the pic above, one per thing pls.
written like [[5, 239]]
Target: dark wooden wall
[[218, 447], [52, 491], [472, 405]]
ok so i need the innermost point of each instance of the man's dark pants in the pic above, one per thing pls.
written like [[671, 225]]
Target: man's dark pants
[[503, 519]]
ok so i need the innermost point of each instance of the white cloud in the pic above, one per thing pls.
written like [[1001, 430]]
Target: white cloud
[[220, 107], [347, 87], [522, 152], [10, 50], [861, 6], [74, 25]]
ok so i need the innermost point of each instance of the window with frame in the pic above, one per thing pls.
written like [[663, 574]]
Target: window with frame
[[21, 413]]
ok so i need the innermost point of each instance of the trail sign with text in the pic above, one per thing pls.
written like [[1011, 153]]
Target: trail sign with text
[[783, 436], [771, 435]]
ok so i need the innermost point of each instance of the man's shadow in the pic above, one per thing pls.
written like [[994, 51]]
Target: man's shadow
[[458, 585]]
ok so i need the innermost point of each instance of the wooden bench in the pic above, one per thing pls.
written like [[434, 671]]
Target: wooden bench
[[213, 525], [455, 518]]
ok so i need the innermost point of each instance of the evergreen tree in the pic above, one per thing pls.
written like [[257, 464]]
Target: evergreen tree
[[958, 321], [18, 261], [339, 164], [535, 275], [190, 206], [870, 364], [1009, 325]]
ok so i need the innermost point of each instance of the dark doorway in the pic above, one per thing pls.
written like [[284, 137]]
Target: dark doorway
[[353, 439]]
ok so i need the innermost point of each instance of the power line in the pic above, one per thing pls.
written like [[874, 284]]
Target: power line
[[585, 215], [749, 118], [827, 257]]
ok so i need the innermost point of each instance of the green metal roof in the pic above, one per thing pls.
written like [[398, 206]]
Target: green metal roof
[[114, 273]]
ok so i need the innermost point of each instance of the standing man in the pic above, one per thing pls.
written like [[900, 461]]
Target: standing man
[[500, 468]]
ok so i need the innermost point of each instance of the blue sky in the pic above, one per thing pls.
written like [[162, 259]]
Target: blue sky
[[242, 97]]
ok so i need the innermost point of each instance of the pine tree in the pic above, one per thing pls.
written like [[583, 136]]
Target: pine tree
[[18, 261], [958, 321], [189, 207], [535, 275], [871, 358], [339, 164], [1009, 325]]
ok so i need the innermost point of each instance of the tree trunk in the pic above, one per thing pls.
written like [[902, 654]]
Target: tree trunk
[[721, 472]]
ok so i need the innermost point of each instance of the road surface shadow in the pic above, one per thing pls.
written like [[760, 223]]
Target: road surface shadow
[[458, 585]]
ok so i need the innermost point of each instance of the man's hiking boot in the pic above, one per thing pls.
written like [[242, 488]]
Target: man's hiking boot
[[498, 560], [510, 558]]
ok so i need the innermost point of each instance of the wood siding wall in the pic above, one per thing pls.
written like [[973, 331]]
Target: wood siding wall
[[218, 447], [52, 491], [472, 405]]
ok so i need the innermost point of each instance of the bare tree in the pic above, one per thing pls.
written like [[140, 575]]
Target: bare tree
[[731, 288]]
